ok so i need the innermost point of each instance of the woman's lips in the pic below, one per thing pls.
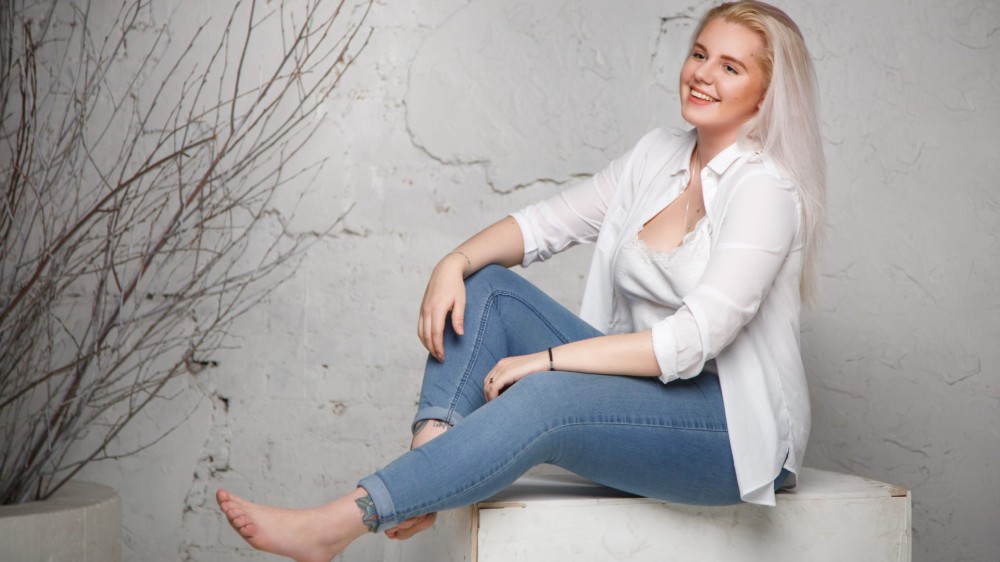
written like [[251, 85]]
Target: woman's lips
[[700, 97]]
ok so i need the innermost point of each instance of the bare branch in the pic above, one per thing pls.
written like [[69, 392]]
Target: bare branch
[[134, 205]]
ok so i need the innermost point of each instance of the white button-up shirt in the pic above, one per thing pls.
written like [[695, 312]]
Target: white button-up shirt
[[744, 312]]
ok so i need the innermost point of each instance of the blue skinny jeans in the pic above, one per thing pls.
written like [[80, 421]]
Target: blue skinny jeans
[[636, 434]]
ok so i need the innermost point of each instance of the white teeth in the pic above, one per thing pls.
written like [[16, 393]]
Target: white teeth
[[702, 96]]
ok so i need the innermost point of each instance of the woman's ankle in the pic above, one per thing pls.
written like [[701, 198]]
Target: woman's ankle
[[427, 430]]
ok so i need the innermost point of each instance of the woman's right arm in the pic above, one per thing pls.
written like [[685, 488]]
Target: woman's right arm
[[500, 243], [532, 234]]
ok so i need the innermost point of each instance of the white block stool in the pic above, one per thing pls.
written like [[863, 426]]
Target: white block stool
[[828, 517]]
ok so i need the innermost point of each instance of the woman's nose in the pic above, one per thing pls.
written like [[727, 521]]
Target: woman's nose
[[703, 74]]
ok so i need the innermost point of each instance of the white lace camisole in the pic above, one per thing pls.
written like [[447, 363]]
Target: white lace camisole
[[650, 285]]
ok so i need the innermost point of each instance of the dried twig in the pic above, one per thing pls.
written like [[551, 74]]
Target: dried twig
[[129, 208]]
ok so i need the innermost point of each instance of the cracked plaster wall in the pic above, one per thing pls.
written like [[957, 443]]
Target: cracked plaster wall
[[459, 112]]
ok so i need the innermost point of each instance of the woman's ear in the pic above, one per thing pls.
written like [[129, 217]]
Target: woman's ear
[[761, 102]]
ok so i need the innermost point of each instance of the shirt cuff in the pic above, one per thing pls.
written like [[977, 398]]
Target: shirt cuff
[[665, 350], [530, 245]]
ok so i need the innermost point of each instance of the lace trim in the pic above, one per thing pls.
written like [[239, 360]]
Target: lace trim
[[670, 258]]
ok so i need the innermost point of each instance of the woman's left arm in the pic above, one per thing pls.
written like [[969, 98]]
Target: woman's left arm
[[618, 354], [759, 229], [755, 237]]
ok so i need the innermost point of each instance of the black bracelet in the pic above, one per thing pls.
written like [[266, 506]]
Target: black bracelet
[[552, 365]]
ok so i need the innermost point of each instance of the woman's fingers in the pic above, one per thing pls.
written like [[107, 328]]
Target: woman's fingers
[[420, 328], [430, 329], [509, 370], [458, 314], [426, 330], [496, 382], [440, 318], [445, 293], [437, 332]]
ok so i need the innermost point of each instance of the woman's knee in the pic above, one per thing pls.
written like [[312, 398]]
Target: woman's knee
[[488, 280], [492, 274]]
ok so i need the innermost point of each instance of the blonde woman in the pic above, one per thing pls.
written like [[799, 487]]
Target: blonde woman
[[681, 379]]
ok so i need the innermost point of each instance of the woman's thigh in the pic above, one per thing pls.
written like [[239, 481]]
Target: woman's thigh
[[505, 315], [635, 434]]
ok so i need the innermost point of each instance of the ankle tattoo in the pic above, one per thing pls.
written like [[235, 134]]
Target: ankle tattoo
[[368, 514], [419, 425], [436, 423]]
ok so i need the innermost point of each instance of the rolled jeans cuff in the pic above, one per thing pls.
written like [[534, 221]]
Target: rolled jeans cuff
[[450, 417], [386, 511]]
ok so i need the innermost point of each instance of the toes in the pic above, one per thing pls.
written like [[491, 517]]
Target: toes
[[421, 523], [403, 535], [247, 531], [407, 533], [412, 522]]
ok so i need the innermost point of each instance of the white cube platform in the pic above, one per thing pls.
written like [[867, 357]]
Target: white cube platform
[[828, 517]]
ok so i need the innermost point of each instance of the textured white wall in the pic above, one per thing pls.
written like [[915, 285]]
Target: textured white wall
[[459, 112]]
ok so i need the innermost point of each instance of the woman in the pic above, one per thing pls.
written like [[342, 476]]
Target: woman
[[704, 244]]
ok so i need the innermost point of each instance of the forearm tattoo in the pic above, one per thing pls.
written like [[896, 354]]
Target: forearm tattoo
[[369, 516]]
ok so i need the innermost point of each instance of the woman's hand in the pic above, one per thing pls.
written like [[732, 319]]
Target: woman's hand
[[509, 370], [445, 293]]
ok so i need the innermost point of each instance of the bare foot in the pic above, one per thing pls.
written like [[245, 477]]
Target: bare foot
[[304, 535], [412, 526]]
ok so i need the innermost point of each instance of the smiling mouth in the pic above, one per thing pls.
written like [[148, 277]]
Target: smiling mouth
[[701, 96]]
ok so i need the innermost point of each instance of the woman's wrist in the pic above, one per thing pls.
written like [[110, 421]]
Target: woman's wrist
[[459, 260]]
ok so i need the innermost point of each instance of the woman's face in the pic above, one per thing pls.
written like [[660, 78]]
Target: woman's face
[[722, 81]]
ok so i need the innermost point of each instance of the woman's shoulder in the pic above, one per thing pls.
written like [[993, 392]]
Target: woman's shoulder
[[759, 178], [757, 167], [665, 139], [661, 147]]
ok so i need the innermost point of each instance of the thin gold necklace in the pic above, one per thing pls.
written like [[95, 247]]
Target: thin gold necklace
[[688, 190]]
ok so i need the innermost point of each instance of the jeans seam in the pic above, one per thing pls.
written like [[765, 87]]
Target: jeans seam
[[543, 434], [479, 339], [538, 313], [697, 384]]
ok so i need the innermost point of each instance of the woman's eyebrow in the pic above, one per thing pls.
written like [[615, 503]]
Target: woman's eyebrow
[[734, 60]]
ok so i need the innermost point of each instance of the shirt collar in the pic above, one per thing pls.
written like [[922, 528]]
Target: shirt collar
[[685, 163], [722, 160], [725, 159]]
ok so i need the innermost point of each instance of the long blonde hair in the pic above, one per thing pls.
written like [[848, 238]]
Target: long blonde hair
[[787, 125]]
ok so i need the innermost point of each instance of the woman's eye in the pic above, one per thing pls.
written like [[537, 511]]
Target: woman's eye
[[731, 69], [698, 55]]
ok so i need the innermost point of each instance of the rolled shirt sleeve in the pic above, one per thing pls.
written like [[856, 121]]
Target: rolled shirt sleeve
[[759, 228], [570, 217]]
